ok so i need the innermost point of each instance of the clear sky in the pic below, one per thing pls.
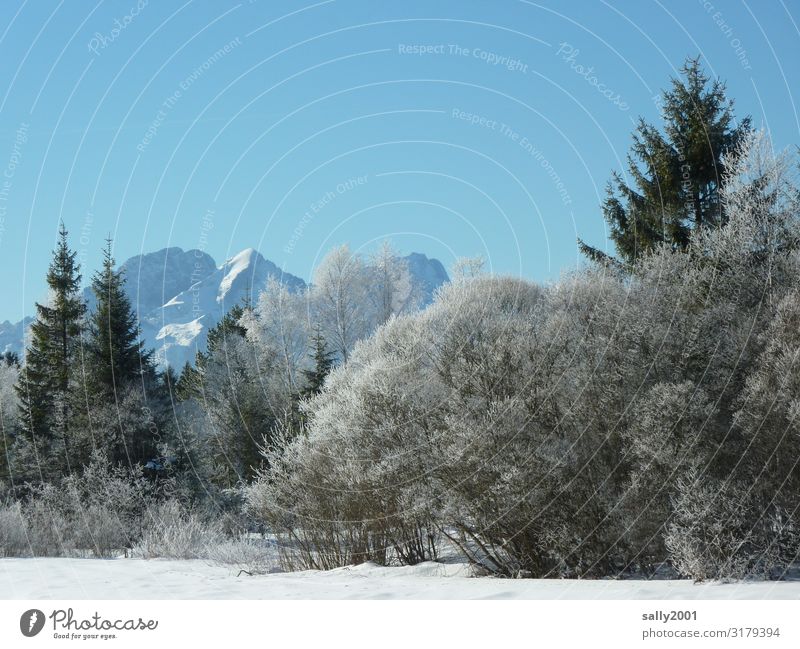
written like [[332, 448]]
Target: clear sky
[[456, 127]]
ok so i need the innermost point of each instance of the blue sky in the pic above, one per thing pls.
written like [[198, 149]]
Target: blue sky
[[454, 127]]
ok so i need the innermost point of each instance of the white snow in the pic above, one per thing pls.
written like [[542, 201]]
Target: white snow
[[167, 579], [176, 300], [181, 333], [233, 268]]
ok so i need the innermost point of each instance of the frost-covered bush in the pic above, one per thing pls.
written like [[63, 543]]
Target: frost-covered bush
[[664, 441], [255, 556], [720, 532], [97, 511], [172, 532], [769, 424], [13, 531], [340, 494], [50, 522], [553, 430]]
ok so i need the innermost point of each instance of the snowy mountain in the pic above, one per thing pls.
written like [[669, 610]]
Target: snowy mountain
[[179, 328], [179, 295], [429, 274], [153, 278], [12, 334]]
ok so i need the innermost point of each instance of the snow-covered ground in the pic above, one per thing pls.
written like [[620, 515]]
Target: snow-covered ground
[[166, 579]]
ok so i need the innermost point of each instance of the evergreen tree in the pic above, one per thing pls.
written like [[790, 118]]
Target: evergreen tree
[[323, 359], [190, 383], [121, 382], [228, 384], [676, 175], [116, 354], [46, 381], [10, 359]]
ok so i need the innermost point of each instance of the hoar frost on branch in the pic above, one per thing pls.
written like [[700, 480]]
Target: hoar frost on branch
[[597, 426]]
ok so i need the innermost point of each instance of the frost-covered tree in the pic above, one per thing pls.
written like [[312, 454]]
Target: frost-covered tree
[[10, 358], [340, 298], [9, 411], [278, 328], [392, 290], [468, 268], [322, 363]]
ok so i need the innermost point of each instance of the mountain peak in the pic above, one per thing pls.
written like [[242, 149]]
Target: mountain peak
[[428, 272], [246, 256]]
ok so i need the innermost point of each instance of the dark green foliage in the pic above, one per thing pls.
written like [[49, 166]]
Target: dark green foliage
[[236, 405], [124, 397], [676, 175], [115, 354], [324, 360], [45, 387]]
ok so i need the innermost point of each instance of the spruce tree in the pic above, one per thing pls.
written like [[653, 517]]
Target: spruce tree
[[116, 354], [190, 383], [125, 398], [10, 359], [235, 398], [46, 383], [323, 363], [676, 175]]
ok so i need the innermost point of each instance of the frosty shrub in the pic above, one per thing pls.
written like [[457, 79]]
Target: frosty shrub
[[255, 556], [106, 505], [552, 430], [769, 422], [50, 522], [720, 533], [664, 441], [173, 532], [97, 511], [13, 531]]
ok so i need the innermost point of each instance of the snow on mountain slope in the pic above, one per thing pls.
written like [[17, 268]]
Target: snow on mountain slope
[[12, 335], [178, 329], [233, 268], [181, 334], [151, 279]]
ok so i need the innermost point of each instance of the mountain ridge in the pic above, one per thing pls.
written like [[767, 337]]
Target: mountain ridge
[[178, 295]]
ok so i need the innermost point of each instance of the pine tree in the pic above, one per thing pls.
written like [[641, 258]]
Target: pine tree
[[116, 354], [190, 383], [9, 359], [323, 363], [228, 384], [677, 175], [46, 382], [126, 399], [227, 327]]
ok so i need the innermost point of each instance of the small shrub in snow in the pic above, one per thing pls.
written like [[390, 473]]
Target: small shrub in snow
[[49, 521], [13, 531], [172, 532], [255, 556]]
